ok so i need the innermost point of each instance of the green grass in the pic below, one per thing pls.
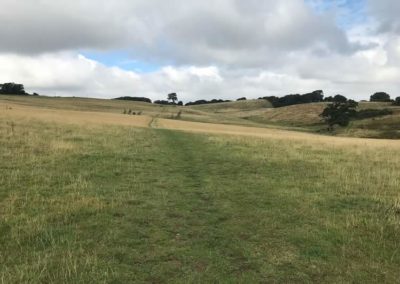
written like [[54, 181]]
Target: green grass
[[119, 205]]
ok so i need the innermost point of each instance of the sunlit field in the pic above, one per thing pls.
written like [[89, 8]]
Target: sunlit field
[[89, 199]]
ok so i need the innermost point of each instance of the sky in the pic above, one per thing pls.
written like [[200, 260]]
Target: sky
[[201, 49]]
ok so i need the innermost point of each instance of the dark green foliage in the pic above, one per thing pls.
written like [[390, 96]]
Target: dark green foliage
[[340, 98], [337, 98], [204, 102], [397, 101], [242, 99], [380, 97], [313, 97], [172, 97], [12, 89], [136, 99], [162, 102], [339, 113], [370, 113]]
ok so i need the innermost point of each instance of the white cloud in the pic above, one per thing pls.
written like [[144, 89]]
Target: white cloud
[[206, 49]]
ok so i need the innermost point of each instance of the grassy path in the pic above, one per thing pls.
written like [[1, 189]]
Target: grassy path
[[126, 205]]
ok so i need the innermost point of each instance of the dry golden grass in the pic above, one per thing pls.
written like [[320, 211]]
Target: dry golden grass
[[272, 134], [10, 111], [297, 114], [70, 116]]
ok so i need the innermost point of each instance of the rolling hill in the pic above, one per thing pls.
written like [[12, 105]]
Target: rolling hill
[[91, 195]]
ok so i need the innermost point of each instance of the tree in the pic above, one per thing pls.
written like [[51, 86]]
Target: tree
[[380, 97], [397, 101], [339, 113], [294, 99], [12, 89], [242, 99], [340, 99], [173, 97]]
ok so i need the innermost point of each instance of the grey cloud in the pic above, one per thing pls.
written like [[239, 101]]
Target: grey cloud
[[386, 12], [201, 32]]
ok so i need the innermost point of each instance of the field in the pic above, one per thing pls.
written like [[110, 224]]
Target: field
[[89, 195]]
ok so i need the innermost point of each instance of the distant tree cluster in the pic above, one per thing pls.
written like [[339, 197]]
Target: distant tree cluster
[[397, 101], [171, 100], [337, 98], [242, 99], [168, 103], [12, 89], [204, 102], [136, 99], [295, 99], [380, 97]]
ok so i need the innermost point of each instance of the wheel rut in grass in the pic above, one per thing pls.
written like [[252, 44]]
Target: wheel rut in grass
[[188, 159], [198, 211]]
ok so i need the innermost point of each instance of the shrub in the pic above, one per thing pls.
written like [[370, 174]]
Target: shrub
[[370, 113]]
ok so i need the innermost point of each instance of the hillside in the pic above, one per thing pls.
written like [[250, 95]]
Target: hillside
[[306, 117], [254, 113], [199, 113], [234, 107], [90, 196]]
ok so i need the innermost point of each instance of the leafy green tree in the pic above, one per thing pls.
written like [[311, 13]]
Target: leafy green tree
[[397, 101], [339, 113], [339, 98], [173, 97], [12, 89], [380, 97]]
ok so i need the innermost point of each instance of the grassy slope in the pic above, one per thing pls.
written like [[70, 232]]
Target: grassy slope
[[305, 117], [256, 113], [116, 204], [234, 107], [118, 107]]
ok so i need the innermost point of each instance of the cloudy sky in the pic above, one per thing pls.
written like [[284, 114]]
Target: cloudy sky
[[201, 49]]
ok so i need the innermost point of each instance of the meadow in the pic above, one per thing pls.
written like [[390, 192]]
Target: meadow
[[101, 197]]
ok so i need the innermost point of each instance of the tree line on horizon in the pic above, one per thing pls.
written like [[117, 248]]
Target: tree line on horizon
[[288, 100], [172, 98]]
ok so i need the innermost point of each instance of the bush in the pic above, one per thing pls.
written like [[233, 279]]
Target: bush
[[397, 101], [242, 99], [370, 113]]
